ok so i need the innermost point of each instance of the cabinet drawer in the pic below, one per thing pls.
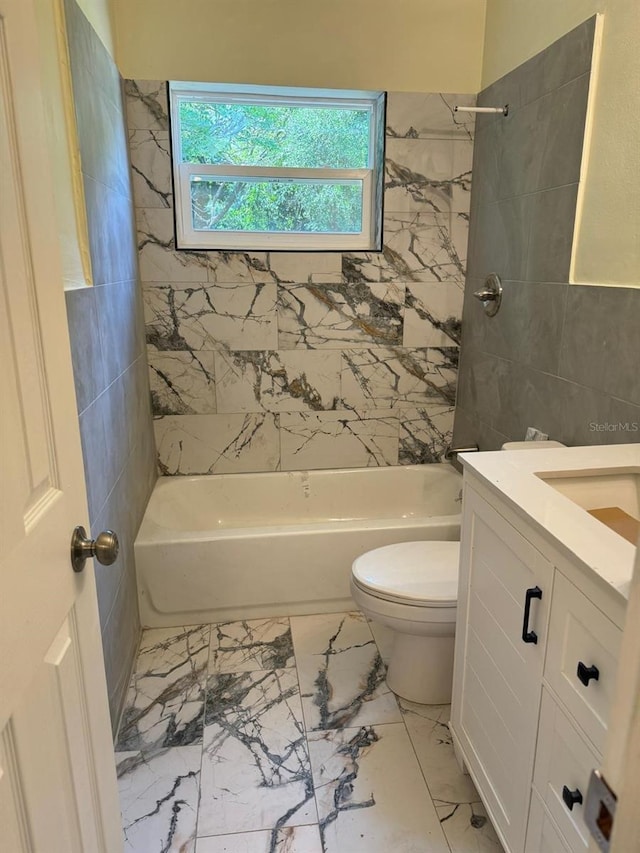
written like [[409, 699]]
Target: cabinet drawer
[[543, 836], [583, 643], [564, 763]]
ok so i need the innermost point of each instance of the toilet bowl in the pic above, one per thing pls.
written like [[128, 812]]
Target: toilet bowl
[[412, 588]]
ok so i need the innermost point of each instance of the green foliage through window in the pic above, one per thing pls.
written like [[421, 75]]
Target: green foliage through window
[[276, 205], [273, 136], [274, 168], [293, 137]]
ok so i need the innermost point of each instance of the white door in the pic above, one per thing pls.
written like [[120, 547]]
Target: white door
[[57, 776]]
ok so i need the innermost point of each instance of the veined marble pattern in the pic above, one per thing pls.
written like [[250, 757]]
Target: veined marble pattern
[[277, 381], [289, 839], [425, 433], [182, 383], [183, 316], [341, 672], [457, 802], [165, 703], [344, 439], [217, 444], [460, 235], [161, 261], [151, 168], [255, 763], [368, 785], [232, 335], [170, 647], [355, 772], [225, 267], [146, 104], [159, 799], [461, 182], [336, 315], [432, 314], [467, 827], [428, 174], [416, 115], [309, 267], [387, 378], [417, 247], [248, 646]]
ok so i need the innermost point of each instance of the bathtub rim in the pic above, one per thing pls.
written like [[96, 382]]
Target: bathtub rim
[[165, 536], [152, 532]]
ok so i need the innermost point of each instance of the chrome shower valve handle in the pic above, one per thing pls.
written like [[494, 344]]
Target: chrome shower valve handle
[[490, 295]]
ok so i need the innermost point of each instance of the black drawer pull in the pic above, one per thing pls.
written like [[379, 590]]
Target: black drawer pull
[[527, 635], [571, 797], [587, 673]]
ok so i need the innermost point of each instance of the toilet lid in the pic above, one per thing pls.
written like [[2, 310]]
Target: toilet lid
[[421, 573]]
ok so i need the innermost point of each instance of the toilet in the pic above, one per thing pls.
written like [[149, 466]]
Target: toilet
[[412, 588]]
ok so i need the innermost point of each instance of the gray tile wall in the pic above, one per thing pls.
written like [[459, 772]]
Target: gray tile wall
[[564, 358], [262, 361], [107, 341]]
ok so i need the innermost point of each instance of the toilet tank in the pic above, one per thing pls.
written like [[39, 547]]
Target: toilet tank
[[531, 445]]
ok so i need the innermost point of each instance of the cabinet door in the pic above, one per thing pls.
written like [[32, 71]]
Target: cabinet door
[[543, 836], [564, 762], [498, 673]]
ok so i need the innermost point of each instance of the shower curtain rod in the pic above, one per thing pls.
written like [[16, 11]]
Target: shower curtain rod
[[504, 110]]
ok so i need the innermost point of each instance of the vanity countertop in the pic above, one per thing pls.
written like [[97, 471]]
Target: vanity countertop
[[514, 475]]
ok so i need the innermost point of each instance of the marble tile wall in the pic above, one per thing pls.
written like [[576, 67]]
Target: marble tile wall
[[558, 356], [262, 361], [107, 342]]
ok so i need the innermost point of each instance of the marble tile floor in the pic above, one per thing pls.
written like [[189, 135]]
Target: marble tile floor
[[281, 736]]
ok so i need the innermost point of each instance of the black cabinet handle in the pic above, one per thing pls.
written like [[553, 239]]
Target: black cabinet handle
[[527, 635], [571, 798], [587, 673]]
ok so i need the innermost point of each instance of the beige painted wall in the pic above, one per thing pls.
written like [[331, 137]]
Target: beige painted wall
[[99, 14], [607, 248], [401, 45], [411, 45], [63, 144]]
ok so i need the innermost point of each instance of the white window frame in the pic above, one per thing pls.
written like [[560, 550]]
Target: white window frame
[[188, 238]]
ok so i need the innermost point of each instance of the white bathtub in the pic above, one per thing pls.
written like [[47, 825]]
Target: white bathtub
[[236, 546]]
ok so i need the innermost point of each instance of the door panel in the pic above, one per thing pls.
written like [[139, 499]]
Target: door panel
[[13, 820], [57, 775]]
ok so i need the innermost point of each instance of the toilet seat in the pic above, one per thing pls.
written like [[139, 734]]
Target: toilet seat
[[420, 574]]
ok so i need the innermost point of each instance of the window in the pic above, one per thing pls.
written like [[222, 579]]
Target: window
[[274, 168]]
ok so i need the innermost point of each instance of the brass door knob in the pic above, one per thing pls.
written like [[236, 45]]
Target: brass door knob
[[104, 548]]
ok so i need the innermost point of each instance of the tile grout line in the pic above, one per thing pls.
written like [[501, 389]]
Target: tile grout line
[[204, 716], [426, 782], [449, 845], [306, 733], [252, 831], [470, 803], [413, 749]]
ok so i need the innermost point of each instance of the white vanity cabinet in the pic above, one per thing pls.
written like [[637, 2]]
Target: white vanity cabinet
[[536, 651]]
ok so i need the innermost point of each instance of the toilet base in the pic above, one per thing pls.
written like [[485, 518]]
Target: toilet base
[[421, 669]]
